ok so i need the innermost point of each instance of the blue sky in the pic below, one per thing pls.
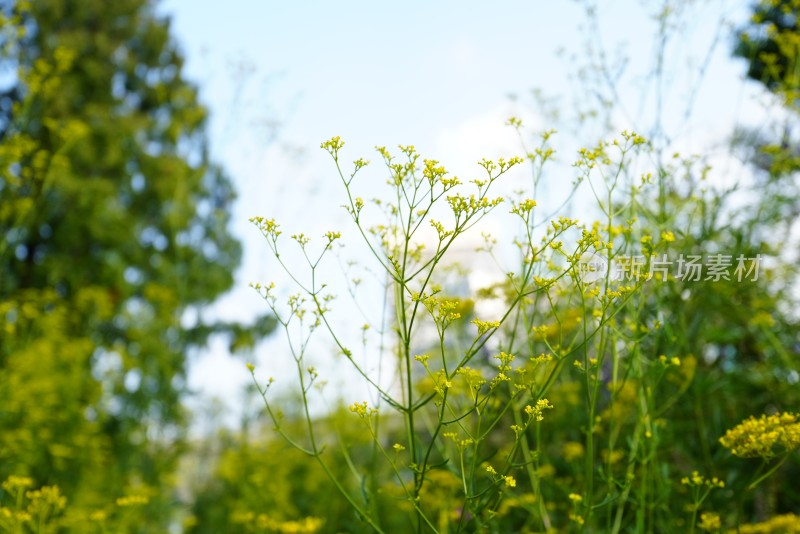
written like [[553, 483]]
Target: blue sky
[[280, 77]]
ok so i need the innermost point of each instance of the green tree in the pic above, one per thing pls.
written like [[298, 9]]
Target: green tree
[[113, 225], [770, 44]]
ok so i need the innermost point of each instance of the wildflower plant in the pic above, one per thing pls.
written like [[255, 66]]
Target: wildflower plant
[[474, 402], [701, 487]]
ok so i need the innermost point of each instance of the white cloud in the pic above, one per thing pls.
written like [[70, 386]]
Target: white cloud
[[485, 135]]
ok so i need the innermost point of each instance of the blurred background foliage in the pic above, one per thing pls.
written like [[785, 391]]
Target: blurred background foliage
[[114, 225]]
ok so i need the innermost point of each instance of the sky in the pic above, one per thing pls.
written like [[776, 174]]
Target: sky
[[281, 77]]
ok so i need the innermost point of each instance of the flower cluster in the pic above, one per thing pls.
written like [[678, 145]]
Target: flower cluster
[[699, 480], [362, 409], [508, 480], [268, 227], [504, 367], [15, 483], [460, 443], [759, 438], [709, 521], [524, 207], [42, 504], [779, 523], [536, 413], [333, 145], [485, 326], [264, 523]]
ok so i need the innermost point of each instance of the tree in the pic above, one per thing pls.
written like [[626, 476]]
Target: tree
[[113, 224], [770, 44]]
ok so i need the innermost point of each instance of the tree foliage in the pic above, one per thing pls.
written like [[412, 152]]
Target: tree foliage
[[770, 44], [113, 223]]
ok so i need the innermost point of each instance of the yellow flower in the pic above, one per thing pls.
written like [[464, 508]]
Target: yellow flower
[[14, 483], [775, 525], [699, 480], [761, 437], [537, 413], [362, 409], [709, 521]]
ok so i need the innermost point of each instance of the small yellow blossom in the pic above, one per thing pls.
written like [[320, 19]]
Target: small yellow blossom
[[709, 521]]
